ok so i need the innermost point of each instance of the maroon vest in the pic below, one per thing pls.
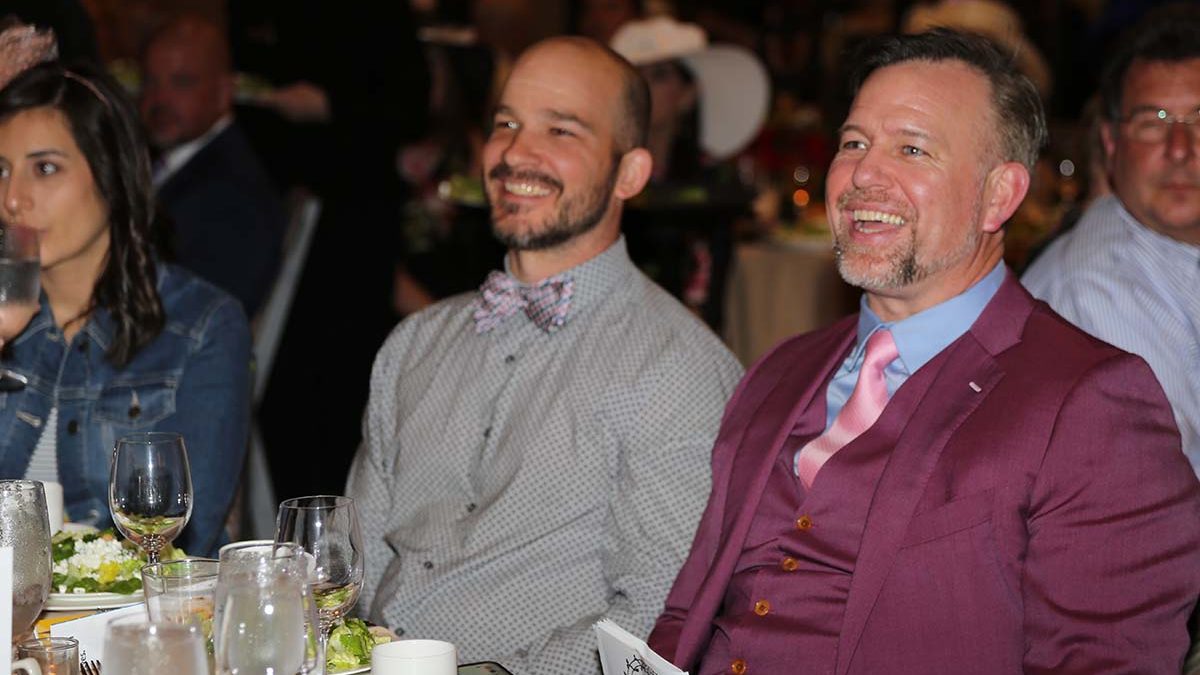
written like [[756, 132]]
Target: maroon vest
[[783, 607]]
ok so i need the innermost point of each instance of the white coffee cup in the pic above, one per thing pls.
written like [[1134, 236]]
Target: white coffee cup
[[27, 666], [54, 505], [414, 657]]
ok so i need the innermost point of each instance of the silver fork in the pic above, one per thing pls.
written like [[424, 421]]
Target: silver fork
[[90, 667]]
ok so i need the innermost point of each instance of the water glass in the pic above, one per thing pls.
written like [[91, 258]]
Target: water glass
[[182, 591], [20, 274], [414, 657], [136, 646], [53, 655], [266, 618], [25, 527]]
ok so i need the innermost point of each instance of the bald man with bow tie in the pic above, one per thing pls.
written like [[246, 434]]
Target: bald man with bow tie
[[536, 455]]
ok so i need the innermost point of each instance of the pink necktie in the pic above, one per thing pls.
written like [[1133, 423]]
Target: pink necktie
[[860, 412]]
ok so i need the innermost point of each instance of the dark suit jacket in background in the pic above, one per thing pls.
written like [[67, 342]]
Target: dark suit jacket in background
[[228, 219], [1046, 523]]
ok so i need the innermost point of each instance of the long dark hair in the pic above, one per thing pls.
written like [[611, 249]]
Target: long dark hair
[[105, 126]]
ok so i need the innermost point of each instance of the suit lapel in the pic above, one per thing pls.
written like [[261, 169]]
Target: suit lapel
[[195, 164], [952, 386]]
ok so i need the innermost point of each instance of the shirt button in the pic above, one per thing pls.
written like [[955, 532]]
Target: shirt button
[[428, 564], [762, 608], [471, 508], [73, 427], [510, 358], [487, 432], [399, 631], [804, 523], [738, 667], [789, 564]]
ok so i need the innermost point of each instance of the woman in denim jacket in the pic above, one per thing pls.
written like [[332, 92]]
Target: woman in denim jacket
[[121, 343]]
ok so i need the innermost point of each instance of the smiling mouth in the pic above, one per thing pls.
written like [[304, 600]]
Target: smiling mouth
[[525, 189], [875, 221]]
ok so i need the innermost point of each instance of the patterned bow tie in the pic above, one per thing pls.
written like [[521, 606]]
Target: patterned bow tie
[[546, 304]]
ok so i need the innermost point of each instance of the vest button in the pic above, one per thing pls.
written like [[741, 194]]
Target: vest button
[[804, 523], [762, 608], [789, 564], [738, 667]]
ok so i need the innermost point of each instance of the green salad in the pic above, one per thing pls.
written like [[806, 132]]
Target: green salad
[[350, 644], [98, 562]]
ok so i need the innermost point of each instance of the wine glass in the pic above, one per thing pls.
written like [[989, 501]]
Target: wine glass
[[266, 622], [25, 527], [19, 286], [150, 489], [327, 528]]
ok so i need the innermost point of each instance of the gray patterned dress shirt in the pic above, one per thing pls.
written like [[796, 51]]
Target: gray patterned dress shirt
[[516, 486]]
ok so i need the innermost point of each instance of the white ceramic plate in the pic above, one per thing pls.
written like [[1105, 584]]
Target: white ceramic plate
[[72, 601], [59, 602]]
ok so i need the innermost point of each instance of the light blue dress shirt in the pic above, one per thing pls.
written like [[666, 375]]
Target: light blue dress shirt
[[919, 338]]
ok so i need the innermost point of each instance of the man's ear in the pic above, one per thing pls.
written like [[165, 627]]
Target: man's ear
[[633, 172], [1108, 137], [1004, 189]]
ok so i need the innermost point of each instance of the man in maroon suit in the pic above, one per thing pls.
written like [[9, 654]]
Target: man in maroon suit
[[999, 492]]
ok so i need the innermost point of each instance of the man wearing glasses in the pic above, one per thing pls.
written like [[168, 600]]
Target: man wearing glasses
[[1129, 273]]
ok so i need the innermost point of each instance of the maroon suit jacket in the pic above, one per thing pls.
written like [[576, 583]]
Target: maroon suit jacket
[[1036, 515]]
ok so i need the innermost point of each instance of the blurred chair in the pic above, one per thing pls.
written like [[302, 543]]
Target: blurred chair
[[258, 505]]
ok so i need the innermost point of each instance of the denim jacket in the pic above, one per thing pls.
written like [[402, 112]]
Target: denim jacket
[[193, 378]]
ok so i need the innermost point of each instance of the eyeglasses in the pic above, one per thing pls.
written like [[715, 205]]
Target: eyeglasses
[[1152, 125]]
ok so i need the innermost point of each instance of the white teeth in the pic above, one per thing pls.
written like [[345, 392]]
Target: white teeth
[[863, 216], [526, 189]]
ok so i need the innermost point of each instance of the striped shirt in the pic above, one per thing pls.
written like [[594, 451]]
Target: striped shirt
[[515, 486], [1137, 289], [43, 465]]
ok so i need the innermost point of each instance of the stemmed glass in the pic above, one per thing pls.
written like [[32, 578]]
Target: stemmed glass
[[150, 489], [25, 527], [326, 527], [19, 287]]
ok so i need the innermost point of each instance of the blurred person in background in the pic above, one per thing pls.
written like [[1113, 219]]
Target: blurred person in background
[[708, 102], [1129, 271], [122, 342], [227, 219]]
